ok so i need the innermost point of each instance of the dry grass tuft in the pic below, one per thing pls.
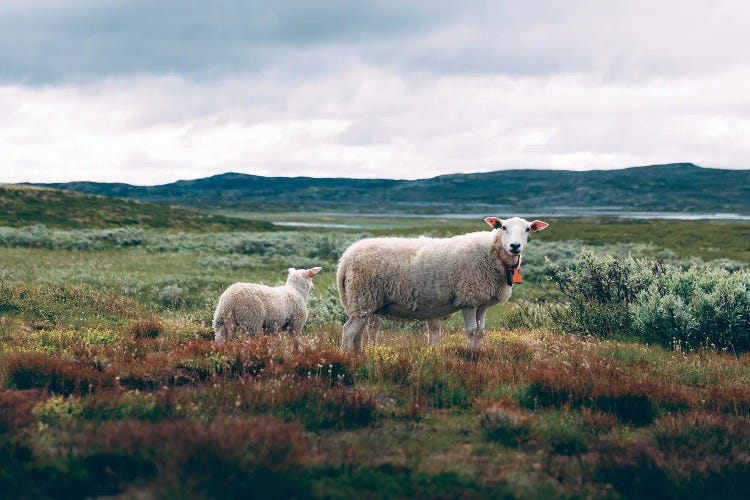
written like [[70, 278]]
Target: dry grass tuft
[[59, 375], [145, 328]]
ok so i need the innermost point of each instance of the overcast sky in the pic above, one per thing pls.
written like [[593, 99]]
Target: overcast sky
[[149, 91]]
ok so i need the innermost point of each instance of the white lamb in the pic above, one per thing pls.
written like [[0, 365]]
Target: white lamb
[[430, 279], [252, 308]]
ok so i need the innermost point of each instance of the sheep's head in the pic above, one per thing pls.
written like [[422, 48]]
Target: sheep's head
[[302, 278], [513, 233]]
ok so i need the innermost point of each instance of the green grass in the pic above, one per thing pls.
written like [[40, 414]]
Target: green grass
[[706, 239], [25, 205]]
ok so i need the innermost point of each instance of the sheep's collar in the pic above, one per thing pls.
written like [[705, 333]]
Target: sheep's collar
[[512, 271]]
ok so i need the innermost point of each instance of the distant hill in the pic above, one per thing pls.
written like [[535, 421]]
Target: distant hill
[[26, 205], [673, 187]]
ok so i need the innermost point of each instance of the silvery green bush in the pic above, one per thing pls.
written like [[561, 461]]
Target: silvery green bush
[[660, 303], [317, 246], [325, 307], [39, 236]]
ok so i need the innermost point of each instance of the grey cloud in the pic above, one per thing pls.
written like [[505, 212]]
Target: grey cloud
[[47, 41], [80, 39]]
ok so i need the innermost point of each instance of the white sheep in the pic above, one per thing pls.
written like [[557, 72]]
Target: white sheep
[[254, 308], [430, 279]]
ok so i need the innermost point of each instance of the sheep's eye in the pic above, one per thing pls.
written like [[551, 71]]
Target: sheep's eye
[[528, 229], [505, 228]]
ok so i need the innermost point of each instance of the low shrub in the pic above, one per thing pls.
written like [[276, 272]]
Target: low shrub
[[54, 373], [562, 433], [731, 400], [315, 404], [325, 307], [236, 358], [504, 422], [326, 363], [656, 302], [16, 407], [65, 304], [173, 296], [145, 328], [699, 434], [57, 408], [132, 404], [602, 388], [635, 469]]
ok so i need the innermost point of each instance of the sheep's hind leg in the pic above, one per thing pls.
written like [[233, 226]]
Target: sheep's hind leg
[[372, 329], [351, 337], [481, 313], [473, 332], [433, 331]]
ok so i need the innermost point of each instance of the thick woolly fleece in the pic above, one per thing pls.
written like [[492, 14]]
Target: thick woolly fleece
[[429, 279], [253, 308], [423, 278]]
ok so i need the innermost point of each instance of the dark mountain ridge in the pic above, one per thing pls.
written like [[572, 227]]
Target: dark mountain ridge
[[671, 187]]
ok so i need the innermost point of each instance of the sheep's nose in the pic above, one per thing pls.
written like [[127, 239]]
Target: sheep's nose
[[514, 247]]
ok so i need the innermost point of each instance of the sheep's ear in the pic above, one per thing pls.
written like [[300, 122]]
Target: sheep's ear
[[538, 225], [494, 222], [291, 270], [312, 272]]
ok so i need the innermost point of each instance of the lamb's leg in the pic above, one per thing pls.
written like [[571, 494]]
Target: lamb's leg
[[351, 337], [433, 331], [295, 330], [372, 329], [473, 332]]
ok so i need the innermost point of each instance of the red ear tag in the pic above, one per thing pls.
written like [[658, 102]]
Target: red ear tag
[[517, 276]]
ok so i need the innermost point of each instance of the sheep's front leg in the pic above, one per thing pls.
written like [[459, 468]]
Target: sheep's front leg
[[473, 332], [433, 331], [351, 338]]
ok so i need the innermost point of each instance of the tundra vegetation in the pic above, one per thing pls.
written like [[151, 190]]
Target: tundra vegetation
[[617, 370]]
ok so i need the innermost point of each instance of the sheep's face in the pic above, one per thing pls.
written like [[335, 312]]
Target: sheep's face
[[513, 233], [302, 278]]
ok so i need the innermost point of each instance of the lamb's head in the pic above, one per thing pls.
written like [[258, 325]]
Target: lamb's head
[[302, 278], [512, 234]]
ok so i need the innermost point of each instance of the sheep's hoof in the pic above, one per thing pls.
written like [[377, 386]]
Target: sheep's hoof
[[473, 342]]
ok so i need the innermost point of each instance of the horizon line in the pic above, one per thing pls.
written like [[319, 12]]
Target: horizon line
[[230, 172]]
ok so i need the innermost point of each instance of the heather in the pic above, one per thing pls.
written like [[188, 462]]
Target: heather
[[616, 371]]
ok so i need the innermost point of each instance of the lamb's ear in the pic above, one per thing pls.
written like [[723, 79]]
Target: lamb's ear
[[312, 272], [494, 222], [538, 225], [291, 270]]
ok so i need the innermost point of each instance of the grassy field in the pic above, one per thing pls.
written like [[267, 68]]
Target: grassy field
[[26, 205], [111, 384]]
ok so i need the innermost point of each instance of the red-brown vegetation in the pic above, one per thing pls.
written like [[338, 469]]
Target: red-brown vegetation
[[144, 328], [56, 374]]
